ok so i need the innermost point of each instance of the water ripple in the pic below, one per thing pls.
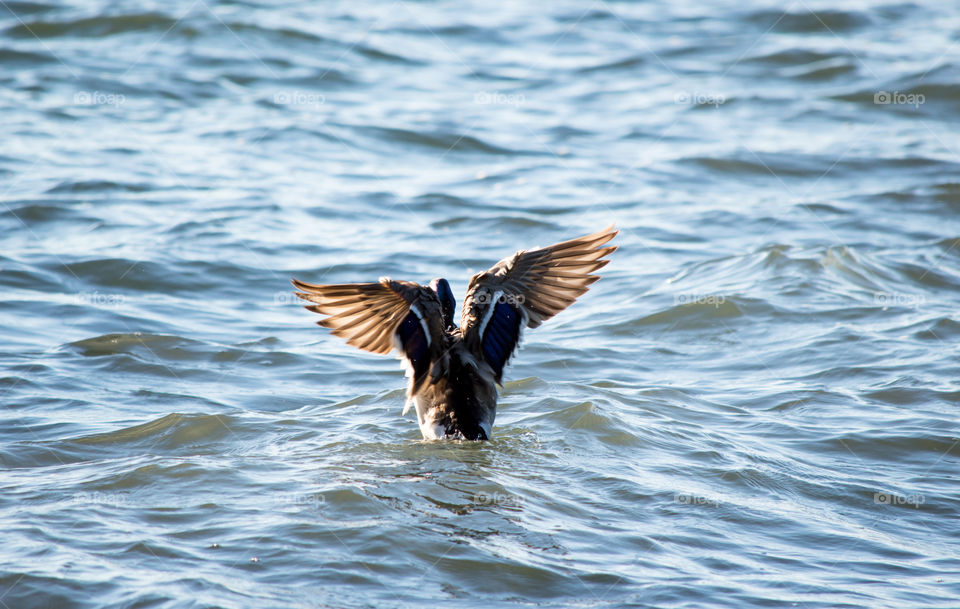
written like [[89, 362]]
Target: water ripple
[[755, 406]]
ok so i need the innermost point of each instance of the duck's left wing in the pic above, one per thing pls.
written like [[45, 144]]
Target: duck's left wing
[[377, 317], [526, 289]]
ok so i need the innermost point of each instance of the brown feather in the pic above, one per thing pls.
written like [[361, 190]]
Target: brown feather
[[544, 281]]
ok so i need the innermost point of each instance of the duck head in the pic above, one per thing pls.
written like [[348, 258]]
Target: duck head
[[447, 302]]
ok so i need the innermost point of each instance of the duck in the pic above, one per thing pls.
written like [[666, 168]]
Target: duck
[[454, 371]]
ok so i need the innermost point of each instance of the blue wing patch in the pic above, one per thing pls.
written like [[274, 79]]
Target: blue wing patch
[[501, 335], [414, 342]]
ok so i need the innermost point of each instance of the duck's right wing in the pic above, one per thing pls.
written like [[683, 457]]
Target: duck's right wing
[[526, 289]]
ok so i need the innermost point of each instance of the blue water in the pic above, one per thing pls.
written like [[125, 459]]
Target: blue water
[[757, 406]]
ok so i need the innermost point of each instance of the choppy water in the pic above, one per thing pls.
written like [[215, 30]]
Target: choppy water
[[756, 407]]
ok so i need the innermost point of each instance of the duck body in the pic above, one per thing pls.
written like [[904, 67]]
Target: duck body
[[452, 371], [462, 402]]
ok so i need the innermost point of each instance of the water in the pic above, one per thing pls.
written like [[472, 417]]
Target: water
[[755, 407]]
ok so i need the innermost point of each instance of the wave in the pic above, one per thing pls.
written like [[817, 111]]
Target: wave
[[94, 27], [443, 141], [172, 431], [828, 21]]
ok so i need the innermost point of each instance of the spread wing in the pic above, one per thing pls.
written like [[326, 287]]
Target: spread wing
[[377, 317], [526, 289]]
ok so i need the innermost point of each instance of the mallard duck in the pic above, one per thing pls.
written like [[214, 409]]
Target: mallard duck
[[454, 372]]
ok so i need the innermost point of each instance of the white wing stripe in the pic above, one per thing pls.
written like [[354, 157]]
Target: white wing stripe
[[423, 322], [489, 313]]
